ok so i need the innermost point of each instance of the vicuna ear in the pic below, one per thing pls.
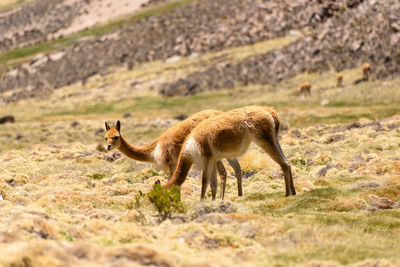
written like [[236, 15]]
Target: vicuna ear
[[107, 126], [118, 126]]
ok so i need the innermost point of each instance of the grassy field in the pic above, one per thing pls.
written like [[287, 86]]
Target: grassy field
[[67, 202]]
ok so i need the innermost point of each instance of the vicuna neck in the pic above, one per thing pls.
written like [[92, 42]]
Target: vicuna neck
[[141, 154]]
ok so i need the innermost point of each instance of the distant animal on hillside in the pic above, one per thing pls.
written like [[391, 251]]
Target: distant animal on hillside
[[366, 71], [305, 89], [339, 80], [228, 135], [164, 151]]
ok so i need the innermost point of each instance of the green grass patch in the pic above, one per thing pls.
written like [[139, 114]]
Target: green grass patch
[[343, 254], [143, 175], [67, 236], [372, 222], [146, 105], [304, 121], [258, 196], [311, 201], [98, 176]]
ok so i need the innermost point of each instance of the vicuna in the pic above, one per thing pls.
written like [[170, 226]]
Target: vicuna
[[228, 135]]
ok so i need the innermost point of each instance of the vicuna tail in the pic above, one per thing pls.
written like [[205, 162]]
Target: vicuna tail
[[277, 121]]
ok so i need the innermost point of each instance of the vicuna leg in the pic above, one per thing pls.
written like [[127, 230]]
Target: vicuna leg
[[204, 180], [209, 174], [222, 173], [292, 190], [214, 181], [273, 148], [238, 173], [204, 184]]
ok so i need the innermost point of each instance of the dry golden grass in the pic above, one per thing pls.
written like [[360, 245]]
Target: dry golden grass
[[68, 197], [65, 203]]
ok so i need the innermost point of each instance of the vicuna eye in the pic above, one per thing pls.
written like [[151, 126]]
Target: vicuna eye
[[115, 138]]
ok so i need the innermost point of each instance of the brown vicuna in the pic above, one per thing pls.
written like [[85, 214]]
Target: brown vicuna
[[366, 70], [228, 135], [305, 89], [339, 80], [164, 151]]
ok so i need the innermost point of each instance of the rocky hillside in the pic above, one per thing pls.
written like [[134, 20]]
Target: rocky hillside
[[206, 25], [45, 20], [369, 32]]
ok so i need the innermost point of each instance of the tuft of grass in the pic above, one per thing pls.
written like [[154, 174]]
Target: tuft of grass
[[262, 196], [67, 236], [98, 176], [391, 191], [138, 197], [143, 175]]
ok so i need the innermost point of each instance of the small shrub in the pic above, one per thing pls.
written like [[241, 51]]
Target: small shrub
[[166, 201], [300, 162]]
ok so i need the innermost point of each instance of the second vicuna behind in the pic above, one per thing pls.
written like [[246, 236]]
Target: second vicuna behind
[[228, 135]]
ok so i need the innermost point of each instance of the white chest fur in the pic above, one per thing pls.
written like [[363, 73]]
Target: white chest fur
[[192, 148]]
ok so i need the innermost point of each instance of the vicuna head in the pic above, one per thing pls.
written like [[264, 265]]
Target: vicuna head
[[113, 137]]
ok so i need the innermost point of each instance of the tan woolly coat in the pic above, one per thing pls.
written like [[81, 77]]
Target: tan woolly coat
[[228, 135]]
